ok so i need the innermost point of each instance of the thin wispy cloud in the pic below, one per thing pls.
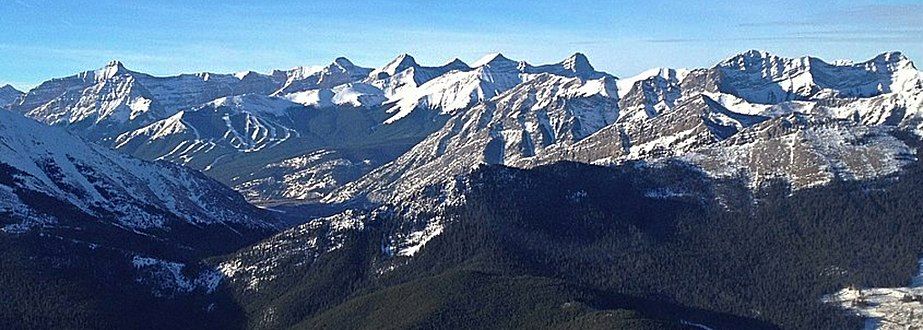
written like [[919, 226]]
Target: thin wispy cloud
[[906, 15], [869, 24], [783, 23], [48, 38], [811, 38]]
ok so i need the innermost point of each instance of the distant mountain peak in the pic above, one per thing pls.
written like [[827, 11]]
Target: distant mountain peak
[[400, 63], [346, 65], [113, 68], [576, 65], [403, 57], [758, 56], [344, 62], [894, 58], [115, 64], [7, 88], [456, 64], [578, 62], [246, 74], [751, 56], [756, 53], [492, 59], [9, 95]]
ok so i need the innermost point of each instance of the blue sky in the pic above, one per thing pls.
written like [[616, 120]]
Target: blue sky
[[41, 39]]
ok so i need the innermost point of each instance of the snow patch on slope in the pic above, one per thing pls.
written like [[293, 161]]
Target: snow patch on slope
[[884, 308]]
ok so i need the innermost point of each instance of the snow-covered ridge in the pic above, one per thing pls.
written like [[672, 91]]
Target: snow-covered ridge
[[626, 84], [491, 75], [205, 136], [102, 184], [245, 123], [111, 100], [341, 71], [765, 78], [205, 120], [662, 114]]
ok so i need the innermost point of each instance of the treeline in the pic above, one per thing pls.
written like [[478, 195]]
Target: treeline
[[560, 246], [772, 260]]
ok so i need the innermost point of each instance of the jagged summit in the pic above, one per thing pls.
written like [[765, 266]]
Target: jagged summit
[[752, 59], [113, 68], [347, 66], [578, 63], [338, 72], [764, 78], [400, 63], [115, 64], [894, 58], [754, 56], [343, 61], [457, 64], [891, 57], [751, 54], [494, 60]]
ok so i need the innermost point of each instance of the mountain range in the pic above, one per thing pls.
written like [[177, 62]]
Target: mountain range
[[332, 132], [378, 174]]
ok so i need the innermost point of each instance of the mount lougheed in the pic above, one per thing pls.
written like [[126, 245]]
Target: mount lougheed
[[375, 174]]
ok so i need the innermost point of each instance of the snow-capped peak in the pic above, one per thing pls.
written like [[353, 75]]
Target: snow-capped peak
[[400, 63], [666, 74], [892, 56], [577, 63], [244, 74], [752, 54], [895, 59], [340, 71], [494, 60], [457, 64], [115, 64], [112, 69], [760, 77], [756, 56], [765, 63], [340, 64], [605, 86]]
